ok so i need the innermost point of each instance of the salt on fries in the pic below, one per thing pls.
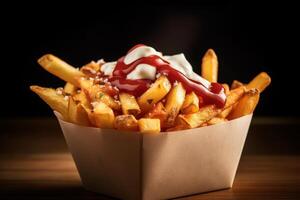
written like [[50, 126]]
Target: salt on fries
[[89, 101]]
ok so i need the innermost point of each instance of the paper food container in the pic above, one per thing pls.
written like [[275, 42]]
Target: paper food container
[[130, 165]]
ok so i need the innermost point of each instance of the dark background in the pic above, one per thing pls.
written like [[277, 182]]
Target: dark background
[[248, 39]]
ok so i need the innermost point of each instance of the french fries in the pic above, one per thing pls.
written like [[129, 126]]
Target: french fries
[[81, 97], [126, 122], [129, 104], [208, 112], [90, 99], [246, 105], [158, 112], [54, 99], [103, 115], [174, 102], [96, 94], [196, 119], [155, 93], [77, 114], [216, 120], [60, 68], [70, 89], [236, 84], [260, 82], [234, 96], [149, 126], [209, 67], [190, 104]]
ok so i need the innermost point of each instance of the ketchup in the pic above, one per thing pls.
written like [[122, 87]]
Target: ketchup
[[212, 95]]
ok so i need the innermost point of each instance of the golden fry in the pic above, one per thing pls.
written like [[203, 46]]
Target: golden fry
[[209, 67], [208, 112], [54, 99], [60, 68], [77, 114], [90, 114], [232, 99], [260, 82], [190, 104], [103, 115], [150, 126], [235, 84], [225, 112], [196, 119], [158, 112], [70, 89], [129, 104], [155, 93], [174, 102], [216, 120], [126, 123], [234, 96], [82, 98], [97, 95], [246, 105]]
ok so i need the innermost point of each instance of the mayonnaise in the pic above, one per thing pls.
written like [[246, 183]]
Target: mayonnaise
[[139, 52], [142, 71], [145, 71], [108, 68]]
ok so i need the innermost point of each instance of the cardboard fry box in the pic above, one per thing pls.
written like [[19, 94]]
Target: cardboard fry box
[[130, 165]]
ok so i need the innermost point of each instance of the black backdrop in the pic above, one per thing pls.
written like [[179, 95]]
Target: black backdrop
[[247, 38]]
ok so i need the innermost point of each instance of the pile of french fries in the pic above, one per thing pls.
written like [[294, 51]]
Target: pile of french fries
[[88, 99]]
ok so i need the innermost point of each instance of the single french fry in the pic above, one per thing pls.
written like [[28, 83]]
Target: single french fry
[[149, 126], [77, 114], [232, 99], [225, 112], [129, 104], [235, 84], [234, 96], [246, 105], [55, 100], [209, 67], [174, 102], [103, 115], [59, 68], [126, 123], [216, 120], [190, 104], [158, 112], [155, 93], [90, 114], [260, 82], [70, 89]]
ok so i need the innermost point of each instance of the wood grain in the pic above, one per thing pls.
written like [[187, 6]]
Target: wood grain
[[55, 175], [35, 164]]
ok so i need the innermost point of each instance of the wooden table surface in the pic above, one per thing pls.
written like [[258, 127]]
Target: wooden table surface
[[35, 163]]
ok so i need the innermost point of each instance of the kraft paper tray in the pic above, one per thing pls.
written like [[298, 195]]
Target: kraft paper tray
[[130, 165]]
